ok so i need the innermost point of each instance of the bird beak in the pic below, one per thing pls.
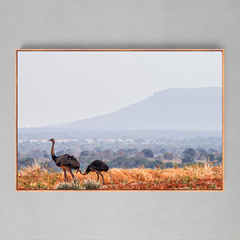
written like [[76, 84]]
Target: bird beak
[[49, 140]]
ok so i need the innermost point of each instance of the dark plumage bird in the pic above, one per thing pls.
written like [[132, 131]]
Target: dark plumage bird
[[97, 166], [67, 161]]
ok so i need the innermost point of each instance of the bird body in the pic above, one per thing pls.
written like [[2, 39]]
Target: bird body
[[67, 161], [97, 166]]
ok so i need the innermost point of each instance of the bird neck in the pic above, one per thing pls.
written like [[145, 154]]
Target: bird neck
[[86, 171], [52, 152]]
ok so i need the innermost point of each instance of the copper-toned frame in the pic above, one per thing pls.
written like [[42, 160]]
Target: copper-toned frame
[[126, 50]]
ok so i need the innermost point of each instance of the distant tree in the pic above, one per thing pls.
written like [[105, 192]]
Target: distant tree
[[169, 164], [85, 153], [210, 157], [203, 152], [189, 151], [148, 153], [188, 155], [163, 150], [168, 156]]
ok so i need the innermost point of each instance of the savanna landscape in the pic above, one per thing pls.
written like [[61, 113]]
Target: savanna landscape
[[194, 177], [134, 164]]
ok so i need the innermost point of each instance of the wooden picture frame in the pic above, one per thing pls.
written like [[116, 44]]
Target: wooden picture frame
[[118, 51]]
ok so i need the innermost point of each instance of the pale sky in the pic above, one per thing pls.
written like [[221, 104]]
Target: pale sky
[[55, 87]]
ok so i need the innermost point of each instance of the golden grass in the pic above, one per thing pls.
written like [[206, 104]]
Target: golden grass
[[190, 177]]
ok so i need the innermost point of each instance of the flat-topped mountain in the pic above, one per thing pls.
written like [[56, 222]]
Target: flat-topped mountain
[[175, 108]]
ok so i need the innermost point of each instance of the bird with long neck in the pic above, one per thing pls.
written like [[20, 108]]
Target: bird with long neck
[[54, 157], [67, 161]]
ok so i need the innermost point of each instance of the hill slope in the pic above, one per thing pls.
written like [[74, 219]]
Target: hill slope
[[176, 108]]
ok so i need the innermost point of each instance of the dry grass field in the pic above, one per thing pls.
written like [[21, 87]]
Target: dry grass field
[[194, 177]]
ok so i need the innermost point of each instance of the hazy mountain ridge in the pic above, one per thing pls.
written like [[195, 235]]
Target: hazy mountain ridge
[[176, 108]]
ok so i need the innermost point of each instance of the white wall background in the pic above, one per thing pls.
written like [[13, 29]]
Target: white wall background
[[119, 24]]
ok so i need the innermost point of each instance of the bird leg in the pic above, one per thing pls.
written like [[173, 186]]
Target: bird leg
[[102, 178], [70, 171], [65, 175], [97, 176]]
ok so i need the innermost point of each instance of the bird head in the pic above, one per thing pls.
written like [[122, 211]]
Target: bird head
[[51, 140]]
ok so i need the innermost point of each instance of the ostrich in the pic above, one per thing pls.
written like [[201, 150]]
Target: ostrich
[[67, 161], [97, 166]]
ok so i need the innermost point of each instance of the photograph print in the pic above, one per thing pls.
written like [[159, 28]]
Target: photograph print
[[120, 120]]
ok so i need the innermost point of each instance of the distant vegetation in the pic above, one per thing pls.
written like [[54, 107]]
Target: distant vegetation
[[126, 152]]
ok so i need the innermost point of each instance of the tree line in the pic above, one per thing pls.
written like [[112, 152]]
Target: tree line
[[126, 158]]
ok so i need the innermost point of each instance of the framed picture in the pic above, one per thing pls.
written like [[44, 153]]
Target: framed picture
[[120, 120]]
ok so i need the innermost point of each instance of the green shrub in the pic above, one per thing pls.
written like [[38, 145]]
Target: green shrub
[[169, 164], [75, 185], [91, 184]]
